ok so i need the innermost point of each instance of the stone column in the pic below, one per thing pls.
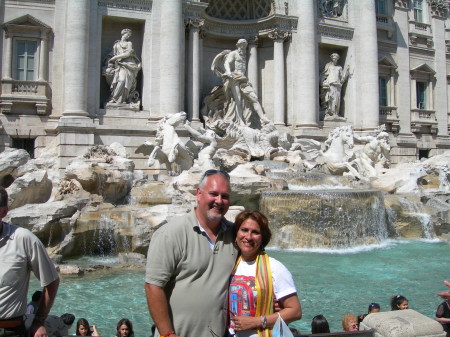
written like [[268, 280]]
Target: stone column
[[76, 58], [171, 56], [252, 67], [279, 78], [367, 58], [413, 103], [8, 56], [404, 102], [43, 57], [194, 69], [438, 14], [306, 98]]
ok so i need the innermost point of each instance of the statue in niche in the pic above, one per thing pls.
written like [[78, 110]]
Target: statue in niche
[[120, 71], [331, 8], [236, 100], [374, 154], [331, 80]]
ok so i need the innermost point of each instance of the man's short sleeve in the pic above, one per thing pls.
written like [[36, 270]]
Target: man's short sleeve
[[41, 264], [163, 255]]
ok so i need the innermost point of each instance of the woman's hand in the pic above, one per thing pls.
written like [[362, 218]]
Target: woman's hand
[[246, 323]]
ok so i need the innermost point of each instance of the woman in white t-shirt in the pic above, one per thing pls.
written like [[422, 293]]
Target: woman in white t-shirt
[[256, 280]]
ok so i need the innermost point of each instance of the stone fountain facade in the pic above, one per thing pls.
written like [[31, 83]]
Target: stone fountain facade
[[97, 146]]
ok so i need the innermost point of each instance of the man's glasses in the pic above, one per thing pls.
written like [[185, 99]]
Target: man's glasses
[[212, 172]]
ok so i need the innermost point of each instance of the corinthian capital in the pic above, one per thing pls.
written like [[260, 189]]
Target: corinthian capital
[[402, 4], [278, 34], [194, 23]]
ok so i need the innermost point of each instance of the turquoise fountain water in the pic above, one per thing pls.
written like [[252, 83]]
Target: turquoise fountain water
[[329, 282]]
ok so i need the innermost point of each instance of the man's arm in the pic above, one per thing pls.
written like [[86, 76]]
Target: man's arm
[[48, 297], [158, 306], [446, 294]]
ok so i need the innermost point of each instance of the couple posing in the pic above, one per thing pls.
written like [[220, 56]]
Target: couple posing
[[188, 286]]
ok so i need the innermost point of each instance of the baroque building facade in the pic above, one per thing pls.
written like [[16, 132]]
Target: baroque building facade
[[55, 54]]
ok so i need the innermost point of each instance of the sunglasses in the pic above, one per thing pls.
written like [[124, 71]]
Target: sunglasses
[[212, 172]]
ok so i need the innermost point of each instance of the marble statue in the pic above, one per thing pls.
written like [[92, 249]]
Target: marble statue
[[335, 154], [331, 80], [121, 69], [331, 8], [209, 139], [239, 102], [375, 152], [168, 148]]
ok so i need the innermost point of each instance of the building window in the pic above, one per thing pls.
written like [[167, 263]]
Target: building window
[[418, 10], [26, 144], [383, 87], [26, 60], [381, 7], [421, 92]]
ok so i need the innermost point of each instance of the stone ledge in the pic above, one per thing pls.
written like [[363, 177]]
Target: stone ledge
[[402, 323]]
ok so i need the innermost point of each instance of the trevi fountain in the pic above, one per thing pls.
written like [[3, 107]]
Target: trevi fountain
[[334, 196]]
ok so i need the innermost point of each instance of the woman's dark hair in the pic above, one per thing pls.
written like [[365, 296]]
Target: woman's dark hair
[[319, 324], [85, 323], [373, 306], [396, 301], [262, 221], [127, 322]]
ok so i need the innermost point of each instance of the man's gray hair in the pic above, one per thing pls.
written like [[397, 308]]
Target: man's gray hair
[[208, 173]]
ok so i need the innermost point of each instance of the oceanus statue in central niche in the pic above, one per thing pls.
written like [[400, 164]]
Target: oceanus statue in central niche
[[236, 100], [121, 69]]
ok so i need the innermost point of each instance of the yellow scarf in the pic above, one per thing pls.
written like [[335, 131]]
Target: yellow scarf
[[264, 289]]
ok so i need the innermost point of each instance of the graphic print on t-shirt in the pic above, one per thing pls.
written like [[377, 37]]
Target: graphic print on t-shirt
[[242, 296]]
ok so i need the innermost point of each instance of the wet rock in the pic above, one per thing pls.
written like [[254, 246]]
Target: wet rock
[[132, 259], [10, 160], [70, 269], [31, 188]]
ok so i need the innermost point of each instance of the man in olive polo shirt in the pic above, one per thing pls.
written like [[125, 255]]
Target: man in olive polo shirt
[[189, 262], [20, 253]]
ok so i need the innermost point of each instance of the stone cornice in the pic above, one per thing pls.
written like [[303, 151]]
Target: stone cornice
[[249, 28], [40, 2], [133, 5], [343, 33], [193, 9], [402, 4]]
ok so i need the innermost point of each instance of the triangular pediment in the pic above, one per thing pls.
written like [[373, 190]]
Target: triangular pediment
[[423, 68], [387, 61], [27, 20]]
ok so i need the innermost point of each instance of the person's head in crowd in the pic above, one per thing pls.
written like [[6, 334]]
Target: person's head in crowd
[[350, 322], [125, 328], [36, 297], [399, 302], [319, 324], [68, 319], [83, 328], [373, 307], [3, 203]]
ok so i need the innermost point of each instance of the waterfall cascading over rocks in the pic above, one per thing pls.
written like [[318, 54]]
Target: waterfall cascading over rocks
[[325, 218]]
